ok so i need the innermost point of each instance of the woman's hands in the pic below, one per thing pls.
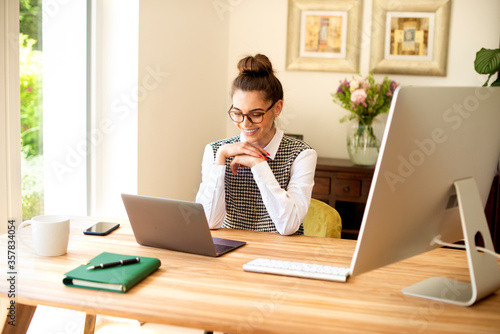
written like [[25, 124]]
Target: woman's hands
[[244, 153]]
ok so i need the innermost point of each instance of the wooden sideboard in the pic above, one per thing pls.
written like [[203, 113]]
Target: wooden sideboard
[[492, 211], [345, 186]]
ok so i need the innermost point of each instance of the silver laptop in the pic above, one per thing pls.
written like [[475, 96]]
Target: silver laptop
[[175, 225]]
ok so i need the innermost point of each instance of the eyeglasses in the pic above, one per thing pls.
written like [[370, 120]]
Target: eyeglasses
[[254, 117]]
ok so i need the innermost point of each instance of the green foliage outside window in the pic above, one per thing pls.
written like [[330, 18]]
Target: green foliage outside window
[[30, 61], [32, 185], [30, 20]]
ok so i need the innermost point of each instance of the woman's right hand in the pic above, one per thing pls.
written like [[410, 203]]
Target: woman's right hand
[[235, 149]]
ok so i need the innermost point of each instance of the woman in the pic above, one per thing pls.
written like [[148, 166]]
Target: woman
[[259, 180]]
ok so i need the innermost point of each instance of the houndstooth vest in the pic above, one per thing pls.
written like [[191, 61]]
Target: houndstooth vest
[[245, 209]]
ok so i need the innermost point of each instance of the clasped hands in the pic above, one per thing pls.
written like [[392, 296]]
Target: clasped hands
[[244, 154]]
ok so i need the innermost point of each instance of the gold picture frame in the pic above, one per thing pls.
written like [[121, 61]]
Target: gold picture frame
[[410, 37], [324, 35]]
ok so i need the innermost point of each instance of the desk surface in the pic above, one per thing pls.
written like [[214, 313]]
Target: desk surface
[[216, 294]]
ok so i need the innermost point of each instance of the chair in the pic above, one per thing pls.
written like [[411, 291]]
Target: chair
[[322, 220]]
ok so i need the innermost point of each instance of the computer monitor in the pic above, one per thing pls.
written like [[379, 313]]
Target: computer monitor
[[439, 154]]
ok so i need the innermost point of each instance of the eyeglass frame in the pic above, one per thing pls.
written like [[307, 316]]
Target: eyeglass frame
[[247, 115]]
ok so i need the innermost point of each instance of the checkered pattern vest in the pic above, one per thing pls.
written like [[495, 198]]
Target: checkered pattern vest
[[245, 209]]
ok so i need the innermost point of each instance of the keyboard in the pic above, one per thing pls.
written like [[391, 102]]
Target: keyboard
[[298, 269], [220, 248]]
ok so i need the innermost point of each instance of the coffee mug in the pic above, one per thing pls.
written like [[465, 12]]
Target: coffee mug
[[50, 234]]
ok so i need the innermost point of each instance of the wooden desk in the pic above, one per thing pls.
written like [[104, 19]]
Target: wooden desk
[[216, 294]]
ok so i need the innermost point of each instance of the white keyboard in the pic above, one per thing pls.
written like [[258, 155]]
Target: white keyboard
[[298, 269]]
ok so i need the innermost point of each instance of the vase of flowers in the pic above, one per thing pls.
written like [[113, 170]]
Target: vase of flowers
[[365, 100]]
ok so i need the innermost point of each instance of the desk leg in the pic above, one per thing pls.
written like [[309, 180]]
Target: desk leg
[[89, 324], [24, 314]]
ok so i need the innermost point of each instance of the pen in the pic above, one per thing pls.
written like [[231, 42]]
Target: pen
[[114, 264]]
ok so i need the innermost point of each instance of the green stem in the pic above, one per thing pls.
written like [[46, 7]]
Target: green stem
[[365, 124]]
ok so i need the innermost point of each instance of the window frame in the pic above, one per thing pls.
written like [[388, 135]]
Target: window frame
[[10, 133]]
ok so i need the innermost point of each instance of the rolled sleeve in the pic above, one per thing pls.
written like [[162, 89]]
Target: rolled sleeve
[[212, 192], [287, 208]]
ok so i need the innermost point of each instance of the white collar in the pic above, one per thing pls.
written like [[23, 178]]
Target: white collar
[[272, 147]]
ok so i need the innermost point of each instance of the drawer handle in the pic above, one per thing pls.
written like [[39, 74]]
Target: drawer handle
[[347, 189]]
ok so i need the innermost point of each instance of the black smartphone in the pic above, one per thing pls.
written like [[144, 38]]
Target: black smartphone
[[101, 228]]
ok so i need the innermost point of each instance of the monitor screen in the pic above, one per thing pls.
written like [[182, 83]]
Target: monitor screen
[[434, 137]]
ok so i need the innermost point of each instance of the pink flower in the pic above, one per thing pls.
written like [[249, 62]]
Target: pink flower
[[359, 97], [29, 89]]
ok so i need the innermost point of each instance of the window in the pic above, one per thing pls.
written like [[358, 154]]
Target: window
[[79, 105], [53, 73]]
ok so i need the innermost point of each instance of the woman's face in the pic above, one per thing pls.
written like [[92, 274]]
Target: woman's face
[[252, 102]]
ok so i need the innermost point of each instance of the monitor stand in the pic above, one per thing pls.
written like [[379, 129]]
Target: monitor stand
[[483, 267]]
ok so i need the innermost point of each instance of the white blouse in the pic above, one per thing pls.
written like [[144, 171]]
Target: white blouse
[[287, 208]]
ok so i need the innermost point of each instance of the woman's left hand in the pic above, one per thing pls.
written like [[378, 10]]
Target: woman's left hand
[[244, 161]]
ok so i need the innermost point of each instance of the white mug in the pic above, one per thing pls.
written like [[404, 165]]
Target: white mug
[[50, 234]]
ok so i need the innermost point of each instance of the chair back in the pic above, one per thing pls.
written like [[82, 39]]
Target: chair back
[[322, 220]]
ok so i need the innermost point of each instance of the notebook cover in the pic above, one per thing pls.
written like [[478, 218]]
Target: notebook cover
[[125, 277]]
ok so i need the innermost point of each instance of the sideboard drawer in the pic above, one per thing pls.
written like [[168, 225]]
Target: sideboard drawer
[[347, 188], [322, 185]]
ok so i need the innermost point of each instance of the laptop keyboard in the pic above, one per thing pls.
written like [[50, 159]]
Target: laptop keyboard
[[222, 248]]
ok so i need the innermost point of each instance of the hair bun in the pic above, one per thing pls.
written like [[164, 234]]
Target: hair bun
[[259, 65]]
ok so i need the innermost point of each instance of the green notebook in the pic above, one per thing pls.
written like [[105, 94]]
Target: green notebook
[[120, 278]]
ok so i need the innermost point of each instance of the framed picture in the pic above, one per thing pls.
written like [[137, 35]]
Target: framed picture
[[410, 37], [324, 35]]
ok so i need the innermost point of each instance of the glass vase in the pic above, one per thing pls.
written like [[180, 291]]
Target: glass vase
[[363, 140]]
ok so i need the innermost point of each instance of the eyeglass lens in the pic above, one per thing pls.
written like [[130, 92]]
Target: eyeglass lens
[[239, 117]]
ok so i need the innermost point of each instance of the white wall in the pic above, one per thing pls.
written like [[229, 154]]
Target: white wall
[[199, 45], [309, 109], [183, 44]]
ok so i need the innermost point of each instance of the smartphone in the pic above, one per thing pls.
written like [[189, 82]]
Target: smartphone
[[101, 228]]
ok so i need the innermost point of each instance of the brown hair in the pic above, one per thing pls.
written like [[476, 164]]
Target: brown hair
[[257, 74]]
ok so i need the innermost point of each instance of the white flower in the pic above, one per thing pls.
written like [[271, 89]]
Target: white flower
[[358, 96], [354, 85]]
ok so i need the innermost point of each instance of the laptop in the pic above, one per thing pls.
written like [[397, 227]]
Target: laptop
[[175, 225]]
